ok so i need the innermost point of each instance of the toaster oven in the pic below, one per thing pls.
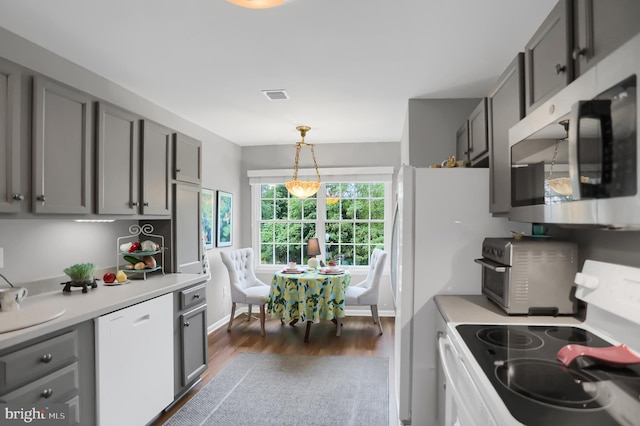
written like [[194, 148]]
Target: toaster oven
[[530, 276]]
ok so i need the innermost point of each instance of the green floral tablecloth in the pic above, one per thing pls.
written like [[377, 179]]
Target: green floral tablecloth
[[307, 297]]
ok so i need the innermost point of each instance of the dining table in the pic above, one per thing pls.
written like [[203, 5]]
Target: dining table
[[309, 295]]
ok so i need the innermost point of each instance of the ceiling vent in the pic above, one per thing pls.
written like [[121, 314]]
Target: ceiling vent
[[276, 95]]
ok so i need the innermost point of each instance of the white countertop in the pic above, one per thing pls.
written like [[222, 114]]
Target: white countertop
[[79, 307], [478, 309]]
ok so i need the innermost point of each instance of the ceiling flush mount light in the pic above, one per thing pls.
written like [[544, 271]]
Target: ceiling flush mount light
[[298, 188], [258, 4]]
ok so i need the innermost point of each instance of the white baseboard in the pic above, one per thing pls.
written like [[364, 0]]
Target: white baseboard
[[349, 312]]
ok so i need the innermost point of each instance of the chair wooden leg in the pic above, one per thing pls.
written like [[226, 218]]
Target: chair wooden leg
[[249, 316], [306, 334], [233, 313], [262, 319], [338, 326], [376, 318]]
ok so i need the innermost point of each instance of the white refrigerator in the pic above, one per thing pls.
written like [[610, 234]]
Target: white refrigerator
[[441, 218]]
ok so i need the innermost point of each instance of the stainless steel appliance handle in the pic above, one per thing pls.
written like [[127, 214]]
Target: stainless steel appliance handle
[[599, 109], [494, 266]]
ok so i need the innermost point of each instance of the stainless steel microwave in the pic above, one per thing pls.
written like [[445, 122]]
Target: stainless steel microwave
[[574, 160]]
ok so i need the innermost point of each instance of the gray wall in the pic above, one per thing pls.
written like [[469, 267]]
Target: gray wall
[[430, 130], [38, 249]]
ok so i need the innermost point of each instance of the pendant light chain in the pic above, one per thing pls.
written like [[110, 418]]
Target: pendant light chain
[[303, 189]]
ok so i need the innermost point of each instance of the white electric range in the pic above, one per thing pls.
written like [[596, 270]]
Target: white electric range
[[509, 374]]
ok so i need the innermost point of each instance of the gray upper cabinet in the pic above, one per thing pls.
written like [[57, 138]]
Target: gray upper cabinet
[[478, 144], [156, 171], [462, 142], [118, 161], [62, 149], [187, 229], [188, 159], [10, 95], [505, 108], [600, 27], [548, 62]]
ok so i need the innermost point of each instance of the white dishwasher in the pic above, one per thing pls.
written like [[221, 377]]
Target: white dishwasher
[[134, 362]]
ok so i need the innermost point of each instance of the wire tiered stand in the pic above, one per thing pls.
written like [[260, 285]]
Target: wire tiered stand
[[136, 231]]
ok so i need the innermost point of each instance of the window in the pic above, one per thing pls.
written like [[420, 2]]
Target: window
[[349, 215], [285, 224], [354, 224]]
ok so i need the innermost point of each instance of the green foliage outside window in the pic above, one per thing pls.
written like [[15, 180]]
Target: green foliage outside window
[[354, 224]]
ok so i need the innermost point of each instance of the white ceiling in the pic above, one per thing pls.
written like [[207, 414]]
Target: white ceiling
[[349, 66]]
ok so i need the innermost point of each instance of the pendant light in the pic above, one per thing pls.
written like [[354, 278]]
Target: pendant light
[[297, 188], [258, 4]]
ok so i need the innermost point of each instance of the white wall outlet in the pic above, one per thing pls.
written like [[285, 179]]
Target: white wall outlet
[[1, 257]]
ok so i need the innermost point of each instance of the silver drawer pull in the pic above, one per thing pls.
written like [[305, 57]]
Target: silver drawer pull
[[47, 393], [186, 323], [196, 296], [47, 358]]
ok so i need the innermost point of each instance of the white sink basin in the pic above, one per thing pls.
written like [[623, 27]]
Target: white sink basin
[[31, 313]]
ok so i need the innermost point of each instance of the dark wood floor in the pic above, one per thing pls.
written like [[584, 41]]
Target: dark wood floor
[[359, 337]]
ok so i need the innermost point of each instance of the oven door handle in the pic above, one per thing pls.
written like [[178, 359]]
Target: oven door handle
[[494, 266], [462, 382]]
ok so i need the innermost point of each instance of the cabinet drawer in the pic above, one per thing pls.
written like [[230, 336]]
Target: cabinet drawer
[[53, 388], [27, 364], [192, 296]]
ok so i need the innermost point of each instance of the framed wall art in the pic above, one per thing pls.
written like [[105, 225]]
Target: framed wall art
[[208, 203], [224, 219]]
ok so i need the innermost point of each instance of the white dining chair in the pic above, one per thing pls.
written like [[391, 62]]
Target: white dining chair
[[366, 293], [245, 286]]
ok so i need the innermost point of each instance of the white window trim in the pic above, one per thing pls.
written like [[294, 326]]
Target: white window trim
[[328, 175]]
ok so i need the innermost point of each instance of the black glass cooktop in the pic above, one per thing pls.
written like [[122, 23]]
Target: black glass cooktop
[[520, 362]]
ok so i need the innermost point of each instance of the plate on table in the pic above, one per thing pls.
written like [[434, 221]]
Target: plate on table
[[293, 271], [331, 271]]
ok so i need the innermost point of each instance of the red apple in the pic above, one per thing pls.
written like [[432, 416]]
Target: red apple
[[109, 277]]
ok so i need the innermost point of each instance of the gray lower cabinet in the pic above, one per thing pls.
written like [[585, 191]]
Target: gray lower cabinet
[[62, 149], [600, 27], [190, 337], [155, 187], [187, 229], [187, 159], [55, 369], [10, 96], [505, 108], [117, 161], [548, 62]]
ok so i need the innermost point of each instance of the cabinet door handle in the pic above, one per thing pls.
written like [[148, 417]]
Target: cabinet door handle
[[560, 68], [46, 358], [178, 170], [578, 51], [196, 296], [134, 204], [47, 393], [18, 197], [42, 199], [186, 323], [146, 204]]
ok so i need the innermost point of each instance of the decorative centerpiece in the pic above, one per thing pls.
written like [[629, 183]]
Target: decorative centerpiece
[[81, 275]]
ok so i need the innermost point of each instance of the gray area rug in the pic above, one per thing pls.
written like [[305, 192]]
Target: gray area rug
[[300, 390]]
